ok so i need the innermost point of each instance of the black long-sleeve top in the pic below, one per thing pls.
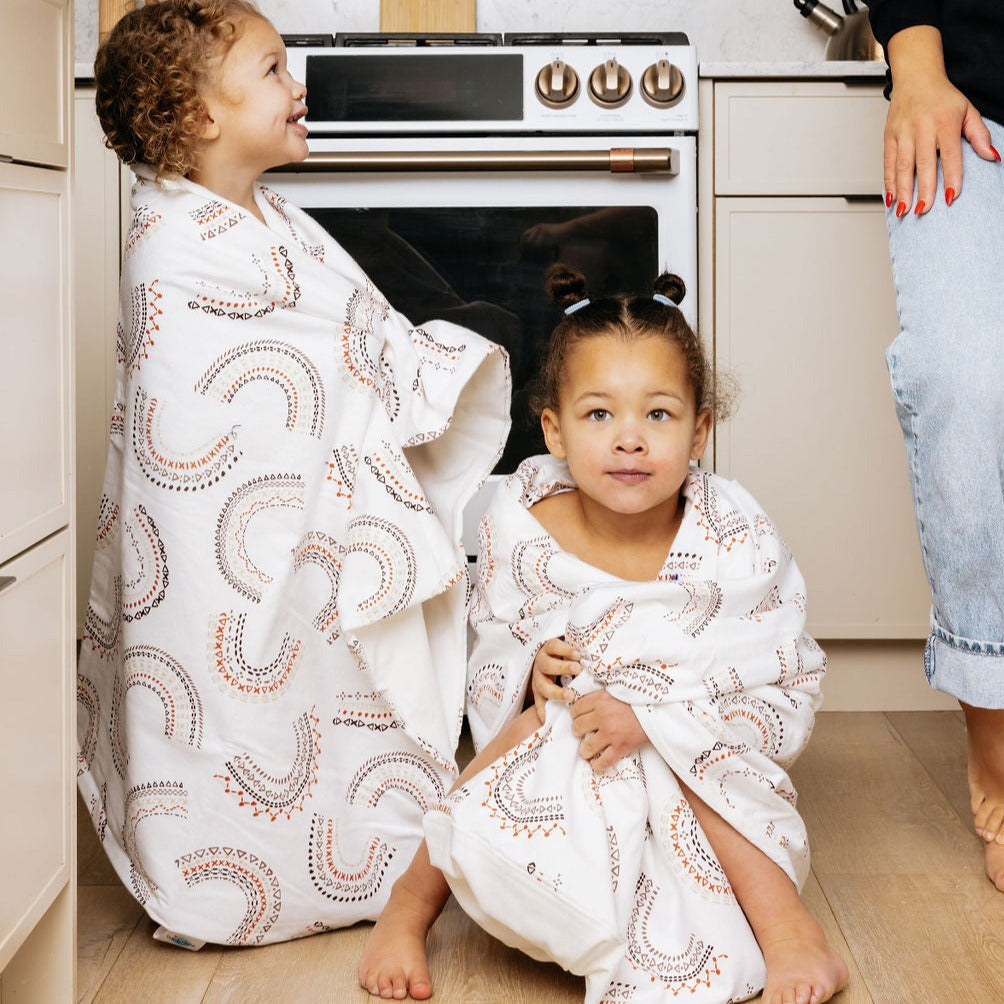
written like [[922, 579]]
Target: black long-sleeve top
[[972, 33]]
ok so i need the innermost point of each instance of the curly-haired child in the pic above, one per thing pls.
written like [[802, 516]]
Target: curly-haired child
[[272, 674]]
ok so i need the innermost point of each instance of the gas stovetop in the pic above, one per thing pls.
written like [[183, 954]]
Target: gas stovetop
[[514, 83]]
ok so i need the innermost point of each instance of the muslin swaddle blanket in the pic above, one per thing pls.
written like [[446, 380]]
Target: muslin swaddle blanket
[[609, 874], [272, 675]]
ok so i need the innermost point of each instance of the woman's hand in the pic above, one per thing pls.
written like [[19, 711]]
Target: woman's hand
[[610, 727], [554, 658], [928, 115]]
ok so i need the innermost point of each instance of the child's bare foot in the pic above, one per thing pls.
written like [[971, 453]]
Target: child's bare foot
[[801, 966], [394, 963], [985, 749]]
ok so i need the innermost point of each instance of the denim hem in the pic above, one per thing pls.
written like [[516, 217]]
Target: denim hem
[[970, 671]]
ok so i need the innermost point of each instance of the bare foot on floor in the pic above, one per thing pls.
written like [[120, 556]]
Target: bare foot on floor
[[994, 860], [985, 749], [394, 964], [802, 968]]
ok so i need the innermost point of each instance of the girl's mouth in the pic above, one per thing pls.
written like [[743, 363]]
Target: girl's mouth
[[629, 477]]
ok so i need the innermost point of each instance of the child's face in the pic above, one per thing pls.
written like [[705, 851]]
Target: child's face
[[254, 104], [627, 422]]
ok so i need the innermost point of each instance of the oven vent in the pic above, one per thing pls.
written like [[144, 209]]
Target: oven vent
[[308, 40], [367, 39], [595, 38]]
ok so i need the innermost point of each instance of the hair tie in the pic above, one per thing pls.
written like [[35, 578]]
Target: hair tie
[[578, 305], [664, 299]]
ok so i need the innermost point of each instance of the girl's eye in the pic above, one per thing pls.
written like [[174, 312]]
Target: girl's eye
[[274, 68], [599, 415], [659, 415]]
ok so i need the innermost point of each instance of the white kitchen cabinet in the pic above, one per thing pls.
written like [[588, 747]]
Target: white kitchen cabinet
[[35, 495], [803, 308], [37, 761], [35, 80], [38, 779]]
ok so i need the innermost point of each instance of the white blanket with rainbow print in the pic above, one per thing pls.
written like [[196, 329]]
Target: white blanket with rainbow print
[[610, 875], [271, 679]]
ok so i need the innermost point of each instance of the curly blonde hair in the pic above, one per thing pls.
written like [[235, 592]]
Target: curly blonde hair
[[148, 74]]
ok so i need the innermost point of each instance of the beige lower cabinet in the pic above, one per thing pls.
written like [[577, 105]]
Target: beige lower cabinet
[[804, 291], [803, 308], [37, 923]]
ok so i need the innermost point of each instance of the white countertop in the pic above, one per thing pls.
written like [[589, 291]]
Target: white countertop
[[818, 69], [721, 70]]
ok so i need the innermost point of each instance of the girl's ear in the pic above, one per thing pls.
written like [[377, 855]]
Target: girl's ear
[[701, 433], [209, 127], [552, 433]]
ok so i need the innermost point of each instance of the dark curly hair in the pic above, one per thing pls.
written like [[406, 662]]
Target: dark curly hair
[[628, 318], [148, 73]]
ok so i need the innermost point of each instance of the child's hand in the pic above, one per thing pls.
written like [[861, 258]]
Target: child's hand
[[611, 729], [554, 658]]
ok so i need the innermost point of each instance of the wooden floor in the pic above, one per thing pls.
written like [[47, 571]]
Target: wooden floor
[[897, 883]]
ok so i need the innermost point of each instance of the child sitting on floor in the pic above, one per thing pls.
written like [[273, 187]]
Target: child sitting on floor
[[636, 825]]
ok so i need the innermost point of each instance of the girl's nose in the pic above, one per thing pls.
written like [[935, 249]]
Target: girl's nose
[[629, 439], [299, 90]]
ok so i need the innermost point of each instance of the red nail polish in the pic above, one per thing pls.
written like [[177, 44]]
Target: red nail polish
[[996, 154], [900, 209], [920, 208], [949, 196], [888, 199]]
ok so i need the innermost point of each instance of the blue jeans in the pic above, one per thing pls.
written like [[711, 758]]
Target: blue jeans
[[947, 371]]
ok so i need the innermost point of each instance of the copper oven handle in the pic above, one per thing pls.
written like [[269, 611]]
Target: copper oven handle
[[652, 160]]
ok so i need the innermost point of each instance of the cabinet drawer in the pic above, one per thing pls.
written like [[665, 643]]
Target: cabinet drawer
[[37, 778], [34, 81], [799, 138], [35, 348]]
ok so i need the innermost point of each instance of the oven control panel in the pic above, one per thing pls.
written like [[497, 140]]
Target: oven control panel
[[499, 89]]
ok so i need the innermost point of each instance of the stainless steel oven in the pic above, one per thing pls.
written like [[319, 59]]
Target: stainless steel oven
[[455, 170]]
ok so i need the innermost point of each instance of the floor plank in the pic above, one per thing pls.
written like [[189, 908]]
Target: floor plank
[[938, 741], [148, 970], [871, 807], [106, 918], [936, 939]]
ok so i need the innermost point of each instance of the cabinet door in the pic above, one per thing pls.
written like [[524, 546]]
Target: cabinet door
[[818, 137], [36, 783], [34, 81], [804, 309], [35, 348]]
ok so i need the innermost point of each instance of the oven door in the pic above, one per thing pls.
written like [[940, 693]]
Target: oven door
[[468, 236]]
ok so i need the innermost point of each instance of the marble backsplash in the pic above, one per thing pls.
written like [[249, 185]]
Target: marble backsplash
[[723, 30]]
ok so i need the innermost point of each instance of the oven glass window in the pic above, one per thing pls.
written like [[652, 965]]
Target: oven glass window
[[410, 88], [483, 268]]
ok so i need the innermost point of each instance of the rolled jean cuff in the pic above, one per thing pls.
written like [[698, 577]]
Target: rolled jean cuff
[[971, 671]]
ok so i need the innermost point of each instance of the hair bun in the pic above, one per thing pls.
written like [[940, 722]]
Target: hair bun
[[564, 285], [671, 286]]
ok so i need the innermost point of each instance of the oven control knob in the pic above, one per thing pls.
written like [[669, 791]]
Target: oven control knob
[[662, 84], [610, 84], [557, 84]]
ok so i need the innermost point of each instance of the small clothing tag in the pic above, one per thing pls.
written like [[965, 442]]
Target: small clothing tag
[[181, 940]]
